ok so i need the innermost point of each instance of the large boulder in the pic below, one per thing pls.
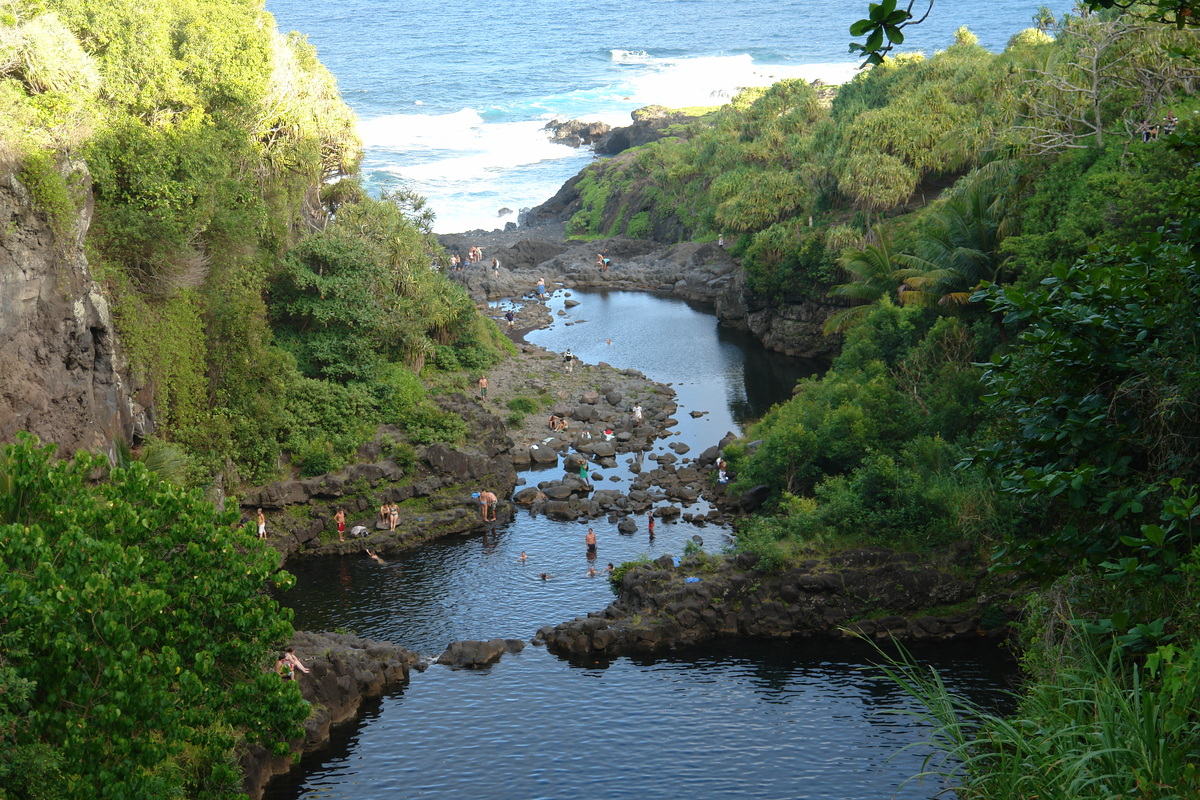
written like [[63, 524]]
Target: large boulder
[[472, 654]]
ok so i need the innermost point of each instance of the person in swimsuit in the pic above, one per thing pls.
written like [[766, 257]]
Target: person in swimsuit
[[289, 655], [522, 558], [393, 516], [590, 541], [487, 500], [367, 550], [650, 521], [262, 524], [340, 519], [385, 513]]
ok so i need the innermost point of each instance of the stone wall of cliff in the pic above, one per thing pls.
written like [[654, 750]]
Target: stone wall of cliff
[[65, 378]]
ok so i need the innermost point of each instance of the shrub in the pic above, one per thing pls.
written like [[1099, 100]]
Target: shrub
[[523, 405]]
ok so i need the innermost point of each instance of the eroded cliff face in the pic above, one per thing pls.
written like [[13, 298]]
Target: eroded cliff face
[[63, 374]]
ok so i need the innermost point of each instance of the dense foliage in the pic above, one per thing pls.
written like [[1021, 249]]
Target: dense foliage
[[1020, 375], [136, 632], [208, 137]]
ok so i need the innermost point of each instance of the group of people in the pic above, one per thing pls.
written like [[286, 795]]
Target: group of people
[[389, 514], [474, 256], [1149, 130], [557, 424]]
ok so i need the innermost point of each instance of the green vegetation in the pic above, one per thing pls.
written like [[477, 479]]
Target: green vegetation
[[274, 317], [264, 332], [137, 639], [1016, 276]]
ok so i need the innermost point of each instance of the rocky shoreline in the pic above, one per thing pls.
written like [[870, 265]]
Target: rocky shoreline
[[703, 272], [873, 593], [344, 672]]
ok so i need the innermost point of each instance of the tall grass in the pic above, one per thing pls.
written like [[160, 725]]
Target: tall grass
[[1102, 728]]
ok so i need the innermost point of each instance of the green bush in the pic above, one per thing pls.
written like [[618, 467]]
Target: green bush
[[523, 405], [316, 457], [618, 574], [148, 610]]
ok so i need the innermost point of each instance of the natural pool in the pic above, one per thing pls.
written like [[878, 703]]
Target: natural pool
[[746, 719]]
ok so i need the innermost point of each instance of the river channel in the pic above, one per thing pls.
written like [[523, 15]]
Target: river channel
[[746, 719]]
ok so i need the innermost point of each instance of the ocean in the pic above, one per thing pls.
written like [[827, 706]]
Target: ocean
[[453, 97]]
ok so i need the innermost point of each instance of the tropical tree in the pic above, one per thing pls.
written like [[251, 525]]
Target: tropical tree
[[137, 634], [875, 274]]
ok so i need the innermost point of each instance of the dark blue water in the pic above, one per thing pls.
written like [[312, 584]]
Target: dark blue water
[[749, 719], [453, 95]]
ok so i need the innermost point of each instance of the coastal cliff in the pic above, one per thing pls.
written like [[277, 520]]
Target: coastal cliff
[[65, 376]]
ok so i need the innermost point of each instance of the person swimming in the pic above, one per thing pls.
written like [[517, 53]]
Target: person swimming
[[367, 550], [522, 558], [546, 576]]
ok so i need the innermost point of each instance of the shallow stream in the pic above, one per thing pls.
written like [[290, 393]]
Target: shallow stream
[[748, 719]]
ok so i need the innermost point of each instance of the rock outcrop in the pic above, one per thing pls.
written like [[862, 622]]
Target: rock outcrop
[[576, 133], [649, 125], [65, 378], [874, 592], [472, 654], [344, 672]]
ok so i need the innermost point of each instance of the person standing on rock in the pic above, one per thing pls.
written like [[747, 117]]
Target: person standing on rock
[[541, 288], [488, 501], [262, 525], [569, 361], [510, 317], [393, 516], [496, 267], [483, 386], [583, 474], [590, 541], [340, 519], [637, 413]]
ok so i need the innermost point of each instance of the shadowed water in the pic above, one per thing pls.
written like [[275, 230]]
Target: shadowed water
[[758, 720]]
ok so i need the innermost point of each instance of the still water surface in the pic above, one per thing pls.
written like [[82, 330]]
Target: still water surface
[[755, 720]]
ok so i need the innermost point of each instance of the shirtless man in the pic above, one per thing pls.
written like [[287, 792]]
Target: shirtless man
[[487, 500], [590, 541], [262, 524], [340, 519], [483, 386]]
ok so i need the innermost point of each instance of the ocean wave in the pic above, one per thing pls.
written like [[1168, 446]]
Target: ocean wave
[[630, 56]]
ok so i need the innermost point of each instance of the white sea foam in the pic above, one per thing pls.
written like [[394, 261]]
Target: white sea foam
[[469, 164], [712, 80], [630, 56]]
